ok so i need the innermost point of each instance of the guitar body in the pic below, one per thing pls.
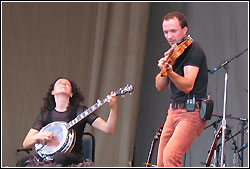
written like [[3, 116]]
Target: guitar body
[[63, 140]]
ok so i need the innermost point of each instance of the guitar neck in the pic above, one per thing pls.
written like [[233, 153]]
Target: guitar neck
[[213, 146], [87, 112]]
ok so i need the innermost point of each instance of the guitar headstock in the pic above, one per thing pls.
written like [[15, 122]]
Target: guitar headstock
[[124, 90]]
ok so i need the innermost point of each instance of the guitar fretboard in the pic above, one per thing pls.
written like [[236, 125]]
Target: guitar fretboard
[[86, 112]]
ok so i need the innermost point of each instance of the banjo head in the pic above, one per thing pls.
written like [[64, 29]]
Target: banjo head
[[60, 139]]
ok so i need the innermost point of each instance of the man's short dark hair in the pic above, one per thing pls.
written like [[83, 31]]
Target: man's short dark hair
[[180, 16]]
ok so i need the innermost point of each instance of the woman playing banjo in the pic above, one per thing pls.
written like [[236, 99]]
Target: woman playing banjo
[[62, 103]]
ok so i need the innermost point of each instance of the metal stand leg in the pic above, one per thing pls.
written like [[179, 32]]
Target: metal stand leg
[[243, 123], [224, 118]]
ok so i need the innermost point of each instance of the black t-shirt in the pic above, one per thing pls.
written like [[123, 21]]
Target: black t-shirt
[[195, 56], [47, 117]]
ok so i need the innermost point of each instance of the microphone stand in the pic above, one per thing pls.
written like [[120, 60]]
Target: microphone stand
[[27, 150], [223, 123], [231, 137], [243, 123], [214, 124], [225, 62], [235, 149]]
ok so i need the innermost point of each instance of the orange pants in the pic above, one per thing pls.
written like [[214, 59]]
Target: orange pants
[[180, 130]]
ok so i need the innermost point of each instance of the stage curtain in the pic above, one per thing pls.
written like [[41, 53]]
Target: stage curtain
[[99, 45]]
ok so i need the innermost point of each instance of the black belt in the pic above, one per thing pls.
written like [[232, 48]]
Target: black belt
[[176, 105]]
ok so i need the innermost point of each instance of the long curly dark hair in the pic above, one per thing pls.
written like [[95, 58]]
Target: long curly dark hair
[[74, 101]]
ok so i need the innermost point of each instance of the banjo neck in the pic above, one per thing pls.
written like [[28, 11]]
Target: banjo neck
[[99, 103], [84, 114]]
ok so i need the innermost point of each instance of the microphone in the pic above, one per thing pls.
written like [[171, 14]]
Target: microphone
[[224, 63], [242, 147], [218, 67]]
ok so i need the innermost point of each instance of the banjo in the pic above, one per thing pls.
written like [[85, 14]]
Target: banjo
[[64, 136]]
